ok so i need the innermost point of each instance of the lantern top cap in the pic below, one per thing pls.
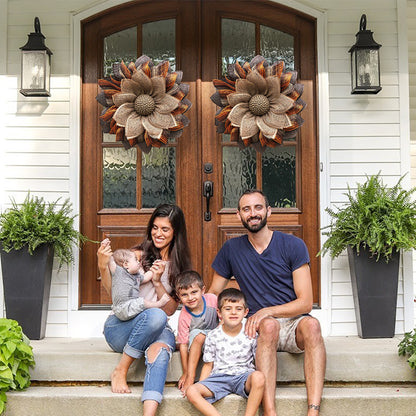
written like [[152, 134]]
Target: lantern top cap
[[364, 37], [36, 40]]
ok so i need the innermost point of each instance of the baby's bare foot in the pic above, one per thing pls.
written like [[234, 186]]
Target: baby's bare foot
[[119, 382]]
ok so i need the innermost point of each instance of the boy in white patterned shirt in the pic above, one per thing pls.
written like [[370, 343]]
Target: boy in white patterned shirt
[[229, 360]]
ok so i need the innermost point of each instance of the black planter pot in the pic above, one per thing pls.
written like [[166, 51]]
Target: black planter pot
[[374, 286], [27, 284]]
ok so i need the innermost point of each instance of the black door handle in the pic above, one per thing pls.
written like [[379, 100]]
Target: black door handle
[[208, 194]]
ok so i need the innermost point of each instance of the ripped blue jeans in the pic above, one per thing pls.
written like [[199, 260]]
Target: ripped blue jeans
[[134, 337]]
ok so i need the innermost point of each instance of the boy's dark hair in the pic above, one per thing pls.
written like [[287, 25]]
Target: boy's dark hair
[[187, 279], [231, 295]]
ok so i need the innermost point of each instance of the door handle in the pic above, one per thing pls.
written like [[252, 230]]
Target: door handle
[[208, 194]]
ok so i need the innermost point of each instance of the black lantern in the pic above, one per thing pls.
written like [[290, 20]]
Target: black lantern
[[365, 62], [36, 65]]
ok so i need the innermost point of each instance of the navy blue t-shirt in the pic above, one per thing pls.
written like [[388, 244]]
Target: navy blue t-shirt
[[266, 278]]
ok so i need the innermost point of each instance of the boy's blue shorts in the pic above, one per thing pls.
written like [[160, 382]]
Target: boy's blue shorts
[[222, 385]]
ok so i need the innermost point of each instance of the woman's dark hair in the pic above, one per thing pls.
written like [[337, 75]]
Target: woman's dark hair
[[178, 249]]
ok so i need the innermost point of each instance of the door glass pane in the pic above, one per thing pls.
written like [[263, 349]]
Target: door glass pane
[[158, 177], [277, 46], [239, 173], [159, 41], [279, 176], [120, 46], [277, 172], [119, 178], [238, 41]]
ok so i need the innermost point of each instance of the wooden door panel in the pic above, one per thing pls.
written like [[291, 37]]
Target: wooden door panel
[[302, 220]]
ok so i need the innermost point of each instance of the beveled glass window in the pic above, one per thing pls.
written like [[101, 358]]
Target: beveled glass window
[[274, 170], [277, 46], [158, 41], [120, 46], [132, 179], [119, 178], [158, 177], [238, 41]]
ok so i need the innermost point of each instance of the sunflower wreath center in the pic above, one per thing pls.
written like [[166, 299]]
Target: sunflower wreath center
[[259, 104], [144, 105]]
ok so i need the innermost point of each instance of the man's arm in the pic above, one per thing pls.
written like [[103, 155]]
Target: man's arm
[[218, 284], [303, 303]]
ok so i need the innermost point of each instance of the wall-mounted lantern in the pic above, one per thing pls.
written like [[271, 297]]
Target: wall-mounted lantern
[[365, 62], [36, 65]]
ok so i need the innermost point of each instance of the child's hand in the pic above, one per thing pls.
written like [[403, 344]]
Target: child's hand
[[185, 384], [181, 381]]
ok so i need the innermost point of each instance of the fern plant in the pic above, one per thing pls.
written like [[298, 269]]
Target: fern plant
[[16, 358], [380, 218], [407, 347], [36, 222]]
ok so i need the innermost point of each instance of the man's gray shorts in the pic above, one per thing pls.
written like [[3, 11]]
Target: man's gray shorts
[[287, 334]]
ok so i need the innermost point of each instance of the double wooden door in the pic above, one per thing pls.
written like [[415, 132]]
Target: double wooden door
[[120, 187]]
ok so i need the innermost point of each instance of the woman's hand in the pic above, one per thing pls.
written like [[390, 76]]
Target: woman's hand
[[157, 268], [104, 254]]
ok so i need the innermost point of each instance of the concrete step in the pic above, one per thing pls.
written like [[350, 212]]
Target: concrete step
[[290, 401], [363, 378], [349, 359]]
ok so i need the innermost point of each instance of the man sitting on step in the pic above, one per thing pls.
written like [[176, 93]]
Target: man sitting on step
[[272, 270]]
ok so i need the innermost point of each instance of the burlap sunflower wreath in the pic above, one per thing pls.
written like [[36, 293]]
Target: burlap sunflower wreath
[[259, 103], [144, 104]]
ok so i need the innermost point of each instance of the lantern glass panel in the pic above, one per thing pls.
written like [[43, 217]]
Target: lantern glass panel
[[34, 68], [353, 69], [367, 68]]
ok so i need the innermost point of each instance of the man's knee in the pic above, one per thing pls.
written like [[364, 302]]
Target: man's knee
[[269, 330], [309, 331]]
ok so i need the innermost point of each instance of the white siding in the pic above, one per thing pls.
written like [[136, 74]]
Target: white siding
[[364, 133], [36, 136]]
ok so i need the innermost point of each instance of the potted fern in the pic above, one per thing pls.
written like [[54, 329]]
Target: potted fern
[[30, 235], [375, 225]]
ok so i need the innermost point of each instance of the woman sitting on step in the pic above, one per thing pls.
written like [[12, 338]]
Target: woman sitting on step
[[164, 251]]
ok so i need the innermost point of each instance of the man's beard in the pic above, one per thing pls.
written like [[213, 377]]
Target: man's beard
[[256, 227]]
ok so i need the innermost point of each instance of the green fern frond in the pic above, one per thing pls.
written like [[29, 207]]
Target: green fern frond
[[380, 218], [36, 222]]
